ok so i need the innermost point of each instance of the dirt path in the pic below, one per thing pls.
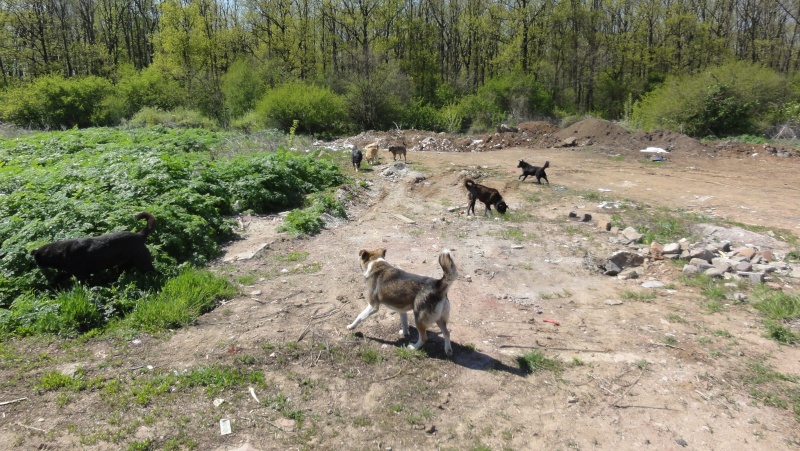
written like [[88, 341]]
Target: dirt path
[[658, 373]]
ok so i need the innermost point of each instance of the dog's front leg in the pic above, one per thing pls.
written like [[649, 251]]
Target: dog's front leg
[[404, 324], [362, 316]]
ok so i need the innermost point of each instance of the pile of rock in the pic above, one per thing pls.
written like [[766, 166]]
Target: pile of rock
[[712, 259]]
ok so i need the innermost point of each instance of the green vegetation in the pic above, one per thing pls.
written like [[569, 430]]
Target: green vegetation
[[93, 181], [779, 308], [646, 296], [535, 361]]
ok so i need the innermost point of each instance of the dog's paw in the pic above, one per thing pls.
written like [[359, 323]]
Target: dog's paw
[[404, 333], [351, 326], [449, 352]]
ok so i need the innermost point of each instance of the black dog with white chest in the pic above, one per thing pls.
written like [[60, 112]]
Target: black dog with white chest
[[489, 196], [536, 171], [82, 257]]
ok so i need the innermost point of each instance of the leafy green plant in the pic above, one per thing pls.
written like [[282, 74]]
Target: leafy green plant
[[535, 361]]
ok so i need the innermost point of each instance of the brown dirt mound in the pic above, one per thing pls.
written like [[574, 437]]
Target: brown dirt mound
[[598, 132]]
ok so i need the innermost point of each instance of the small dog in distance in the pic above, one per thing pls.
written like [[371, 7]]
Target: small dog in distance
[[536, 171], [402, 291], [396, 150], [356, 158], [82, 257], [489, 196], [372, 152]]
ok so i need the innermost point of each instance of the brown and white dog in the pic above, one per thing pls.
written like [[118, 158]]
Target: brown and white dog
[[402, 291], [489, 197]]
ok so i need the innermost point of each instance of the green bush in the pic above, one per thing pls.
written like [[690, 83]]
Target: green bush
[[317, 109], [732, 99], [377, 99], [512, 96], [242, 86], [55, 102], [308, 221], [147, 88], [93, 181], [177, 118]]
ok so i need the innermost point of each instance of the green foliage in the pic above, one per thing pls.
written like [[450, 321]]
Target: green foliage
[[535, 361], [243, 84], [148, 88], [725, 100], [308, 221], [178, 118], [318, 109], [183, 299], [779, 308], [89, 182], [55, 102], [376, 97]]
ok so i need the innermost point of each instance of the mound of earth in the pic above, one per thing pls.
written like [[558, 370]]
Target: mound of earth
[[599, 134]]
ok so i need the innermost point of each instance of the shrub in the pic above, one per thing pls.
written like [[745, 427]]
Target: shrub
[[55, 102], [242, 86], [177, 118], [725, 100], [147, 88], [317, 109], [90, 182]]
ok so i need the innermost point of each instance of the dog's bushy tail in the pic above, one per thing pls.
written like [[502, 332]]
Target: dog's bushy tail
[[546, 165], [151, 223], [448, 266]]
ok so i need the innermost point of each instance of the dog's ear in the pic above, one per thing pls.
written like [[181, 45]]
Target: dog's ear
[[382, 253], [363, 254]]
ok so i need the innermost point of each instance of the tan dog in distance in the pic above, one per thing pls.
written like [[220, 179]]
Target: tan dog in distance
[[402, 291], [371, 152]]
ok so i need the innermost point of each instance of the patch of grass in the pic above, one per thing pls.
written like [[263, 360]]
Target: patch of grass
[[638, 295], [779, 308], [590, 196], [370, 356], [516, 216], [55, 380], [673, 318], [406, 353], [713, 306], [722, 333], [183, 299], [526, 266], [535, 361], [362, 422], [292, 256], [247, 279], [533, 198], [670, 340], [516, 235]]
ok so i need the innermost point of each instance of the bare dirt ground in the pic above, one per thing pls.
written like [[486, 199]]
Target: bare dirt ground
[[662, 373]]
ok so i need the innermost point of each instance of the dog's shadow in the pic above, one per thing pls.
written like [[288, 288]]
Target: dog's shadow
[[466, 356]]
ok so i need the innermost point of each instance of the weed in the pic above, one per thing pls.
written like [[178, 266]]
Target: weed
[[713, 306], [670, 340], [642, 364], [362, 422], [370, 356], [638, 295], [535, 361], [526, 266], [577, 362], [406, 353], [722, 333], [673, 318], [778, 307], [704, 340]]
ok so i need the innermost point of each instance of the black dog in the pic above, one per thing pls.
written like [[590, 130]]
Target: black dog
[[536, 171], [356, 158], [84, 256], [489, 196]]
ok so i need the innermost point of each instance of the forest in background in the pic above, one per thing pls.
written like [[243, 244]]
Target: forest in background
[[335, 66]]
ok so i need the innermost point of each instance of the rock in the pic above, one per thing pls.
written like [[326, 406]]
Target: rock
[[690, 270], [613, 302], [621, 260], [725, 246], [586, 217], [630, 273], [782, 266], [570, 142], [702, 265], [653, 284], [739, 297], [714, 272], [703, 254], [505, 128], [672, 248], [614, 230], [766, 269], [766, 255], [743, 267], [754, 277], [672, 256], [604, 225], [656, 250], [631, 234], [747, 252]]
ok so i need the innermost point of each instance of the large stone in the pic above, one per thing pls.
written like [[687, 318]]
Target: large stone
[[631, 234], [653, 284], [702, 253], [604, 225], [570, 142], [656, 250], [764, 268], [754, 277], [702, 265], [743, 266], [630, 273], [690, 270], [714, 272], [766, 255], [621, 260], [672, 248], [747, 252]]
